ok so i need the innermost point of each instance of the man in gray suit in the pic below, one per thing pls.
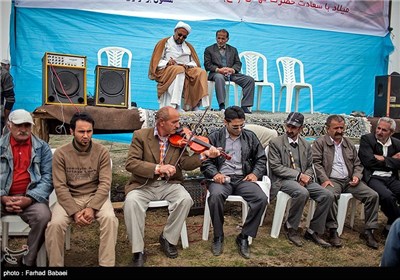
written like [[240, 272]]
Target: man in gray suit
[[290, 162], [223, 63]]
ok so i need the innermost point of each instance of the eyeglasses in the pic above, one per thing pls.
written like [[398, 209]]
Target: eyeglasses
[[181, 35], [237, 127]]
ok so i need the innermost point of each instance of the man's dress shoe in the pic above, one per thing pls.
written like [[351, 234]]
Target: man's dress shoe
[[292, 235], [138, 259], [370, 238], [316, 239], [169, 249], [217, 246], [243, 246]]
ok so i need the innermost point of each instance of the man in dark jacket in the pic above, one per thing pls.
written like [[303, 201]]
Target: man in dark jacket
[[380, 154], [236, 176], [223, 64]]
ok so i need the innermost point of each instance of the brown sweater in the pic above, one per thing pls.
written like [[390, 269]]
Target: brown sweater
[[78, 173]]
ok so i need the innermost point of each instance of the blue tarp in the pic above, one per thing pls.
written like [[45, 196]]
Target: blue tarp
[[340, 66]]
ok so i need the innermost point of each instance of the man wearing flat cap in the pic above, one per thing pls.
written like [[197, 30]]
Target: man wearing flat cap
[[26, 179], [6, 92], [176, 68], [291, 171]]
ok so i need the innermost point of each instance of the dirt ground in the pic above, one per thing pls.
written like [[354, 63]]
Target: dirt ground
[[265, 250]]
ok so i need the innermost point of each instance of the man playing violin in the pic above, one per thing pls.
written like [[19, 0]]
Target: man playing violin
[[236, 176], [156, 168]]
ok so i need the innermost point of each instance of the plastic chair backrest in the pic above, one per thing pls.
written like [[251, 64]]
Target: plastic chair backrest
[[251, 60], [288, 67], [115, 57]]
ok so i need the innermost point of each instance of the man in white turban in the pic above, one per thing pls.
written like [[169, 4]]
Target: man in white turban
[[176, 68]]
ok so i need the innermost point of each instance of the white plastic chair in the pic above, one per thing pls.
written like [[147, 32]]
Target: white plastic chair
[[115, 57], [288, 67], [265, 184], [211, 87], [251, 60], [184, 235]]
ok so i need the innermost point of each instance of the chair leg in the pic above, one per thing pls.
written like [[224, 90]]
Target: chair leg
[[184, 236], [282, 200], [206, 220], [311, 210], [68, 238], [259, 92], [4, 236], [343, 203]]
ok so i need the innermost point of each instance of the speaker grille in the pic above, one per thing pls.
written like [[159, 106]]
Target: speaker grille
[[64, 79], [112, 86]]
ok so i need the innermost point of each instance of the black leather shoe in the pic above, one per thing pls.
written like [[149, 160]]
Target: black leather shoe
[[169, 249], [246, 110], [334, 238], [316, 239], [370, 238], [222, 106], [243, 246], [139, 259], [292, 235], [218, 245]]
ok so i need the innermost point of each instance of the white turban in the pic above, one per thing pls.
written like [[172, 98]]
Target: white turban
[[181, 24]]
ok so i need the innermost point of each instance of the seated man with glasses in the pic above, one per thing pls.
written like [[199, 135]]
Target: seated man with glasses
[[236, 176], [175, 66]]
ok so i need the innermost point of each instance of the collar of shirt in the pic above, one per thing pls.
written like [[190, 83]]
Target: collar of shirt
[[292, 141], [14, 143], [222, 47], [387, 144], [336, 144]]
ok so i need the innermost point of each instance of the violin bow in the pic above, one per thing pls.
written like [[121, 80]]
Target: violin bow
[[190, 138]]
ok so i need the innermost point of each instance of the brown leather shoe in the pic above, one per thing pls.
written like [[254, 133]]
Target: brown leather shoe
[[368, 236], [316, 239], [293, 235], [334, 238]]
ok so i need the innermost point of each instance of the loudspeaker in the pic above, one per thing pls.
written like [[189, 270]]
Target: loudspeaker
[[387, 96], [64, 79], [112, 86]]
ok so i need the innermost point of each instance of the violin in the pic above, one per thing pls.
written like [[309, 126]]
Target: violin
[[197, 144]]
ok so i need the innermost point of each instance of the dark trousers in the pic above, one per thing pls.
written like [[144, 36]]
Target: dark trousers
[[250, 191], [388, 189]]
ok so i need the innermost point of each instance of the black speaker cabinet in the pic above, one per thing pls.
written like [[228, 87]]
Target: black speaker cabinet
[[112, 86], [387, 96], [64, 79]]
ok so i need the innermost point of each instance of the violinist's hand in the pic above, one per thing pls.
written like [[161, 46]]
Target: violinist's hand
[[219, 178], [212, 152], [168, 170]]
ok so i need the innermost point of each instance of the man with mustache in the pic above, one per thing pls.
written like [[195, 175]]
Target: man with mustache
[[339, 170], [290, 162], [25, 179], [380, 154]]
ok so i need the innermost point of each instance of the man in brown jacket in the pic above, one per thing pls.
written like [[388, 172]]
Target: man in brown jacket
[[176, 68], [339, 170], [156, 166]]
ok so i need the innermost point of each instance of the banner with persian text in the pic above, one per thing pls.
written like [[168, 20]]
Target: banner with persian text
[[369, 17]]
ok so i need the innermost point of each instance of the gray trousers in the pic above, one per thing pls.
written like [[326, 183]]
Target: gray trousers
[[137, 202], [300, 196], [360, 192], [36, 215], [244, 81]]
